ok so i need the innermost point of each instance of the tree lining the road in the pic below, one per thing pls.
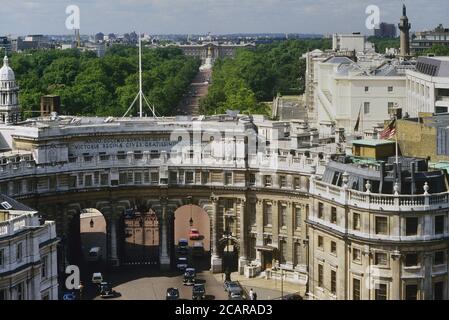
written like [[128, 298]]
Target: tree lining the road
[[89, 85], [253, 76]]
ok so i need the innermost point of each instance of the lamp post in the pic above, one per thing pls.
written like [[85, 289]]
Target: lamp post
[[191, 208]]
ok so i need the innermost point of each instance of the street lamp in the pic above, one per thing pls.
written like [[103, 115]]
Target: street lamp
[[91, 222]]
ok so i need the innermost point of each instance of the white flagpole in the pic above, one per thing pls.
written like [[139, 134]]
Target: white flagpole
[[140, 76]]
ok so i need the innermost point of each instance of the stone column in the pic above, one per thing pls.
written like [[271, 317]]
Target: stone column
[[216, 260], [243, 259], [426, 290], [259, 228], [290, 231], [397, 282], [164, 258]]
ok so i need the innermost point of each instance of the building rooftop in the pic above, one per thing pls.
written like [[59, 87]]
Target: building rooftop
[[372, 142]]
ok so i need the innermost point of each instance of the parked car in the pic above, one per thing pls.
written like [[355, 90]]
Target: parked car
[[172, 294], [198, 292], [234, 289], [235, 296], [183, 246], [106, 290], [69, 296], [292, 296], [97, 278], [182, 263], [230, 285], [189, 276], [198, 249], [194, 234], [94, 254]]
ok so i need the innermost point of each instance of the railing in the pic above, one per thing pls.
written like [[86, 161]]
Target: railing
[[17, 223], [376, 201]]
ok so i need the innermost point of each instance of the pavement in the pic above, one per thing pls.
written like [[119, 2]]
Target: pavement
[[266, 289]]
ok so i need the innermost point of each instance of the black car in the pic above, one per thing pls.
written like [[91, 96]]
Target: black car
[[189, 276], [198, 292], [172, 294], [106, 290]]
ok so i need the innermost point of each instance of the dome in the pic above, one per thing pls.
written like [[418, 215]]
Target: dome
[[6, 73]]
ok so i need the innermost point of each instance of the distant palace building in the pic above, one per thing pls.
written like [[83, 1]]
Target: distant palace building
[[216, 49]]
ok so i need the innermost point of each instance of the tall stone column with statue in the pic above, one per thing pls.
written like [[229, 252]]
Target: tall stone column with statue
[[216, 262], [164, 258]]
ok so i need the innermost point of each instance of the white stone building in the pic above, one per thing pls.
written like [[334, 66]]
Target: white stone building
[[28, 254], [346, 89], [428, 86], [9, 92]]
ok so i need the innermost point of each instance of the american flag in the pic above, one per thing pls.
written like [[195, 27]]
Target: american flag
[[389, 131]]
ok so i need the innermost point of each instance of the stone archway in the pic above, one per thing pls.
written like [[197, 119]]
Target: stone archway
[[229, 248], [193, 217], [93, 234]]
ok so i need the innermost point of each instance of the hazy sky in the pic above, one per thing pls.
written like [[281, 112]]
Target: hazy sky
[[19, 17]]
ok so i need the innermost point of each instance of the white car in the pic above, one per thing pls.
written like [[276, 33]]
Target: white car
[[97, 278]]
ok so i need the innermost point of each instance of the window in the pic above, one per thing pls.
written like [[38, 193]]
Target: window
[[391, 108], [438, 290], [268, 214], [320, 275], [154, 177], [122, 178], [380, 259], [189, 177], [411, 259], [355, 289], [2, 257], [356, 255], [146, 176], [297, 217], [333, 282], [356, 221], [333, 247], [366, 89], [381, 225], [283, 216], [173, 177], [320, 242], [283, 244], [121, 155], [138, 178], [104, 179], [204, 177], [439, 224], [19, 252], [88, 180], [390, 89], [411, 226], [381, 291], [297, 253], [320, 210], [282, 181], [252, 179], [334, 215], [411, 292], [366, 107], [228, 178], [297, 183], [267, 181], [438, 258], [19, 290], [44, 267]]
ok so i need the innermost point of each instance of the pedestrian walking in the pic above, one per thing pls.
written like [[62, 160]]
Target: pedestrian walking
[[251, 294], [254, 296]]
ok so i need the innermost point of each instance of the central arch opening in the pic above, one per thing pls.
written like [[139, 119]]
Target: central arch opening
[[192, 237]]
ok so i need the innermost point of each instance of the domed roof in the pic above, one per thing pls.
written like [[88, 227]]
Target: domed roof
[[6, 73]]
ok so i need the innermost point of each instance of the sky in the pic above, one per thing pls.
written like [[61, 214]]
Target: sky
[[21, 17]]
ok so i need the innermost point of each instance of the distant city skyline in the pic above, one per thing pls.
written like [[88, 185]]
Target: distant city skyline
[[215, 16]]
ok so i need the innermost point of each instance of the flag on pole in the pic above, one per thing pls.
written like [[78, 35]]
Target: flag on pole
[[357, 123], [389, 131]]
